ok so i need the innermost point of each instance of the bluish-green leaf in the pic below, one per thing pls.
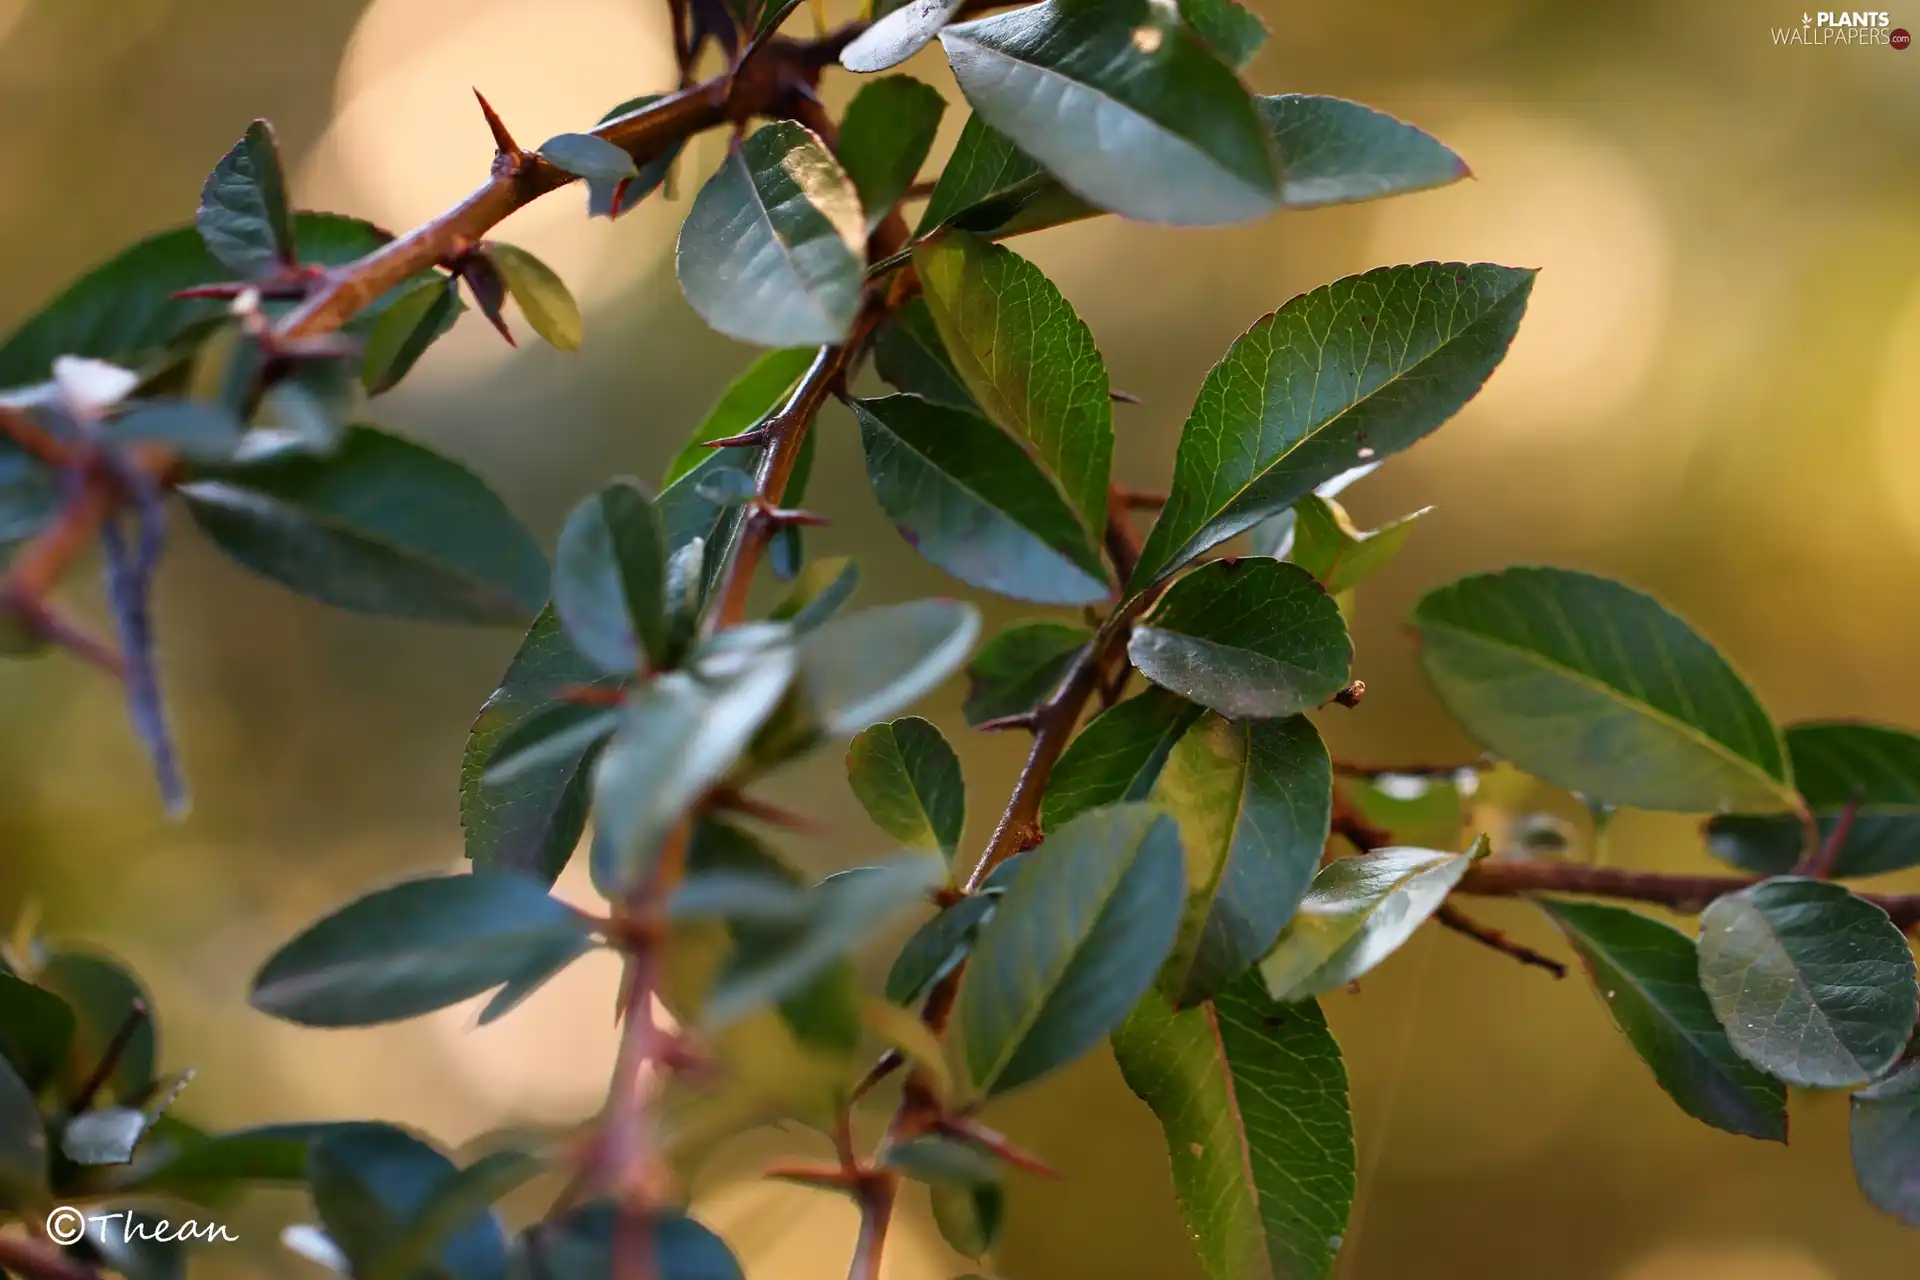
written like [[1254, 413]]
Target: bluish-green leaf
[[1125, 104], [1253, 1098], [600, 195], [885, 135], [1072, 946], [1812, 984], [557, 733], [1230, 30], [867, 666], [609, 578], [1117, 757], [1251, 637], [1355, 370], [1597, 688], [1018, 669], [991, 187], [908, 778], [586, 156], [413, 322], [1873, 769], [1333, 151], [579, 1245], [773, 251], [936, 948], [1358, 912], [896, 36], [244, 217], [372, 1183], [817, 593], [1886, 1143]]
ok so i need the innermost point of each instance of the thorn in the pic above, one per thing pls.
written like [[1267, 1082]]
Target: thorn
[[733, 801], [968, 1129], [503, 143], [811, 1173], [1351, 695], [1138, 499], [891, 1061], [754, 439], [1028, 720], [1123, 397], [110, 1059]]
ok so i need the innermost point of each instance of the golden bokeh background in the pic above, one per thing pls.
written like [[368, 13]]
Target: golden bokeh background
[[1711, 398]]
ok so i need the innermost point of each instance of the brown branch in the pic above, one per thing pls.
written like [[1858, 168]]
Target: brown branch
[[876, 1196], [1819, 863], [1138, 499], [1466, 926], [1504, 878], [37, 1260]]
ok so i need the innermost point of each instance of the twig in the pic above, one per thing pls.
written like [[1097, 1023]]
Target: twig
[[1820, 862], [1138, 499], [1504, 878], [1359, 832], [1461, 923], [876, 1197], [110, 1057]]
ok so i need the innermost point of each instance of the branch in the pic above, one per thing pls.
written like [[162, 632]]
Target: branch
[[1498, 878], [1466, 926]]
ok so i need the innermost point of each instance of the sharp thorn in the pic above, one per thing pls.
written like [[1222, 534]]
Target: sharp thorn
[[503, 142]]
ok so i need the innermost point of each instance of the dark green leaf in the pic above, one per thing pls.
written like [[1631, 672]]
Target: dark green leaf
[[1886, 1143], [1355, 370], [243, 216], [936, 948], [558, 733], [382, 526], [909, 353], [1254, 802], [541, 965], [36, 1030], [415, 947], [1812, 984], [898, 35], [310, 410], [1274, 535], [773, 251], [969, 1217], [1072, 946], [589, 157], [1229, 30], [1595, 687], [991, 187], [908, 778], [1328, 546], [1117, 757], [745, 403], [1253, 1097], [533, 825], [542, 296], [818, 592], [973, 502], [1250, 637], [1873, 768], [371, 1183], [935, 1159], [1358, 912], [600, 195], [1333, 151], [202, 1169], [413, 322], [457, 1204], [609, 578], [1648, 974], [727, 487], [105, 998], [885, 135], [196, 431], [579, 1245], [866, 666], [1066, 78], [1029, 361], [23, 1142], [1016, 670]]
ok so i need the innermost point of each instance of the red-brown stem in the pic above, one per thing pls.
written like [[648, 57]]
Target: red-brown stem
[[1466, 926], [1138, 499], [1348, 821], [876, 1214], [1820, 863], [1510, 878], [38, 1260]]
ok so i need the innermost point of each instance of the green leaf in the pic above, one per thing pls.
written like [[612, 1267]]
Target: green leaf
[[1341, 557], [1229, 30], [991, 187], [414, 947], [542, 296], [557, 732], [908, 779], [1018, 669], [909, 354], [1647, 973], [541, 967], [867, 666], [1355, 370], [885, 136], [969, 1217], [773, 251], [1249, 637], [372, 1182], [1254, 801], [936, 948], [106, 999], [243, 215], [1274, 535], [897, 36], [36, 1031], [1838, 764], [1812, 984], [1117, 757], [589, 157], [817, 593], [1333, 151], [1030, 362], [413, 322], [455, 1204], [600, 195], [1253, 1098], [679, 734], [971, 500], [1886, 1143], [201, 1170], [1358, 912], [609, 578], [23, 1142], [580, 1243], [382, 526], [1128, 107], [1072, 946], [1595, 687], [746, 402], [532, 825]]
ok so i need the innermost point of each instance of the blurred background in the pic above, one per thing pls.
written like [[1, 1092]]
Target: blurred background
[[1710, 398]]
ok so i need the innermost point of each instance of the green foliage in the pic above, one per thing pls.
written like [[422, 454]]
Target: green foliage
[[885, 136], [1015, 671], [543, 298], [908, 778], [244, 217], [1866, 775], [1886, 1143], [609, 579], [1118, 757]]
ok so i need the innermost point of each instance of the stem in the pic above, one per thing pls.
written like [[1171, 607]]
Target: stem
[[876, 1215], [1824, 854], [1465, 925], [1497, 878]]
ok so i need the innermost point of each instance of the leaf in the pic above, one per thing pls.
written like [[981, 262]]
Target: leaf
[[908, 779], [542, 296], [541, 967], [746, 402], [414, 947], [1333, 151], [1019, 669], [1885, 1133], [106, 1136], [107, 1001], [609, 578], [1358, 912], [1251, 637], [600, 195], [196, 431], [203, 1169], [1274, 535], [1355, 370], [1835, 763], [23, 1142], [558, 732], [970, 499], [773, 251], [909, 353], [36, 1031], [243, 215], [460, 1202], [1253, 1098], [1253, 799], [1595, 687], [532, 825], [1118, 756], [412, 323], [580, 1243], [1647, 973], [969, 1217], [898, 35], [1124, 104], [370, 1183], [991, 187], [1072, 946], [1229, 30], [382, 526], [1029, 361], [679, 735], [885, 136], [589, 157], [936, 948], [1341, 557], [1812, 984], [817, 593], [866, 666]]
